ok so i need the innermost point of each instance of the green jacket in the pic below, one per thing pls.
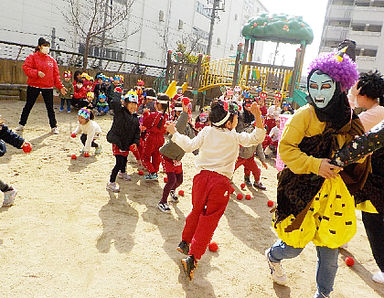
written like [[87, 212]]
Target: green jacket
[[70, 90]]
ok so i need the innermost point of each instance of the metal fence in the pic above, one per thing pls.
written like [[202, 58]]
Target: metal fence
[[19, 52]]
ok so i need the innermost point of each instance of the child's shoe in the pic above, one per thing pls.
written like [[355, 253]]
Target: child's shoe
[[174, 197], [189, 265], [98, 150], [277, 271], [183, 247], [378, 277], [112, 186], [55, 130], [163, 207], [20, 128], [61, 109], [124, 176], [259, 185], [247, 180], [69, 110], [9, 197], [151, 176]]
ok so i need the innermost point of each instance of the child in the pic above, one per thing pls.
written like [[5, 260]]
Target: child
[[79, 95], [171, 155], [201, 121], [154, 136], [246, 154], [100, 86], [125, 131], [89, 130], [8, 136], [67, 97], [271, 140], [102, 105], [219, 148], [91, 100]]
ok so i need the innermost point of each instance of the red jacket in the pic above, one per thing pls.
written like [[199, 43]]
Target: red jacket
[[40, 62], [151, 121], [79, 93]]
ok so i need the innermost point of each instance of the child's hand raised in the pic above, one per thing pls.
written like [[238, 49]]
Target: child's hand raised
[[254, 109], [170, 127]]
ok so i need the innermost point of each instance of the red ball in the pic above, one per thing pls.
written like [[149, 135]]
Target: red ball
[[213, 246], [140, 172], [73, 135], [242, 185], [86, 154], [349, 261], [186, 101], [248, 197], [27, 148], [181, 192], [240, 196], [165, 179], [73, 156], [270, 203]]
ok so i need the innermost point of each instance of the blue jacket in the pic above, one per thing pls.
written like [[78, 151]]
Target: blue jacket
[[8, 136]]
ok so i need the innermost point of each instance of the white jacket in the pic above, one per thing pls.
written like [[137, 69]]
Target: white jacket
[[91, 129], [218, 147]]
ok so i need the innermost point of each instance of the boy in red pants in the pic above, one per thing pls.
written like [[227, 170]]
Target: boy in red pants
[[154, 123], [219, 148]]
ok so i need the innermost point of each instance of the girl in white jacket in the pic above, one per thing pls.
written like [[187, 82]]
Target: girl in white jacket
[[89, 130]]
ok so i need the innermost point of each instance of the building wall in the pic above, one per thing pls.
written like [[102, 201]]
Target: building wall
[[361, 21], [158, 26]]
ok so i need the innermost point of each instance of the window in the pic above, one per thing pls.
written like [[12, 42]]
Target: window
[[161, 16], [218, 41], [366, 52], [181, 24], [232, 47], [236, 16]]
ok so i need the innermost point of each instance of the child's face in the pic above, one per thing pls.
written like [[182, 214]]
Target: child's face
[[100, 81], [101, 99], [89, 98], [132, 107], [232, 124], [81, 120], [67, 79]]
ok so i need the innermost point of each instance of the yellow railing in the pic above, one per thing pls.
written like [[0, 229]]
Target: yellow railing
[[216, 73]]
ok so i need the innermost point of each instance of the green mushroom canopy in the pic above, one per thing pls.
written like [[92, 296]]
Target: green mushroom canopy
[[278, 28]]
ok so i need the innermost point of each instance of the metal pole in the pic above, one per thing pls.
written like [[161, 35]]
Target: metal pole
[[53, 42], [213, 17]]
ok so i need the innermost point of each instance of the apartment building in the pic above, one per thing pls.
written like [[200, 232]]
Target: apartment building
[[361, 21]]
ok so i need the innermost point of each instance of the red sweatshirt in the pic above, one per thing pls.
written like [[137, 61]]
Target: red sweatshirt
[[151, 121], [40, 62], [79, 93]]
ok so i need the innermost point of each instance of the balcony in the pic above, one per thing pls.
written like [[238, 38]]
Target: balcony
[[340, 12], [365, 63], [368, 14], [365, 38], [336, 33]]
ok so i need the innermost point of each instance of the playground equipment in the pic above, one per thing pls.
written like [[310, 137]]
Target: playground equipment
[[242, 70]]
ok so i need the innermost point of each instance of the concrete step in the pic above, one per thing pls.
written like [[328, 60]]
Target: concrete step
[[11, 92], [9, 97]]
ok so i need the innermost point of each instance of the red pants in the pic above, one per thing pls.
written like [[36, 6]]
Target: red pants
[[249, 166], [268, 141], [136, 153], [210, 195], [151, 155]]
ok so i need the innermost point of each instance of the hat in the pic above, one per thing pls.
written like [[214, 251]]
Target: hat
[[90, 94], [178, 107], [140, 83], [131, 96], [42, 41], [67, 74], [85, 113], [103, 96]]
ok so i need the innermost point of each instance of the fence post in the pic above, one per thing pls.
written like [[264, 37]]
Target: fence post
[[196, 81], [246, 46], [237, 65], [169, 65]]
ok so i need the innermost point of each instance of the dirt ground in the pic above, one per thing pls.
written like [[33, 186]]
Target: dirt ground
[[67, 236]]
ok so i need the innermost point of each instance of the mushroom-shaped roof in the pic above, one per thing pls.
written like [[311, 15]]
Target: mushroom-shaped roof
[[278, 28]]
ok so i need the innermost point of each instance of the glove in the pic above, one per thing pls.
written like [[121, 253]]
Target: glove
[[27, 147], [73, 135]]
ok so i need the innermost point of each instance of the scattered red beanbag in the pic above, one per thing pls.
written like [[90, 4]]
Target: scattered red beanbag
[[181, 192], [73, 135], [240, 196], [73, 156], [186, 101], [248, 197], [270, 203], [165, 179], [349, 261], [118, 89], [86, 154], [242, 185], [213, 246], [140, 172], [27, 147]]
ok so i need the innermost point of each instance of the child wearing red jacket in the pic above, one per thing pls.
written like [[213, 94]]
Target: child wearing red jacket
[[154, 138]]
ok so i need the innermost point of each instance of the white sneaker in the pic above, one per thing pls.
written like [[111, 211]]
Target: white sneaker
[[9, 197], [124, 176], [163, 207], [112, 186], [20, 128], [378, 277], [277, 271], [55, 130]]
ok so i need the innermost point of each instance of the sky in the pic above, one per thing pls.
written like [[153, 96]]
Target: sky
[[313, 13]]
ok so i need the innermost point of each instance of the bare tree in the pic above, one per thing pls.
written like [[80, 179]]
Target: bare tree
[[98, 22]]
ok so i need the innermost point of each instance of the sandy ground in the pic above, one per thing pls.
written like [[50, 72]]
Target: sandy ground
[[67, 237]]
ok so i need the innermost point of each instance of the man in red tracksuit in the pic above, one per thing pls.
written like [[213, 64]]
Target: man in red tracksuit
[[154, 138]]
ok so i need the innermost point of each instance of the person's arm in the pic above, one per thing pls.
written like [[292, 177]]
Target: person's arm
[[77, 130], [184, 142], [29, 68], [10, 137], [250, 139], [56, 76], [181, 123]]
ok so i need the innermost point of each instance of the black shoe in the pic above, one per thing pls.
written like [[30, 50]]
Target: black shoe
[[259, 185], [183, 247], [174, 197], [247, 180], [189, 265]]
